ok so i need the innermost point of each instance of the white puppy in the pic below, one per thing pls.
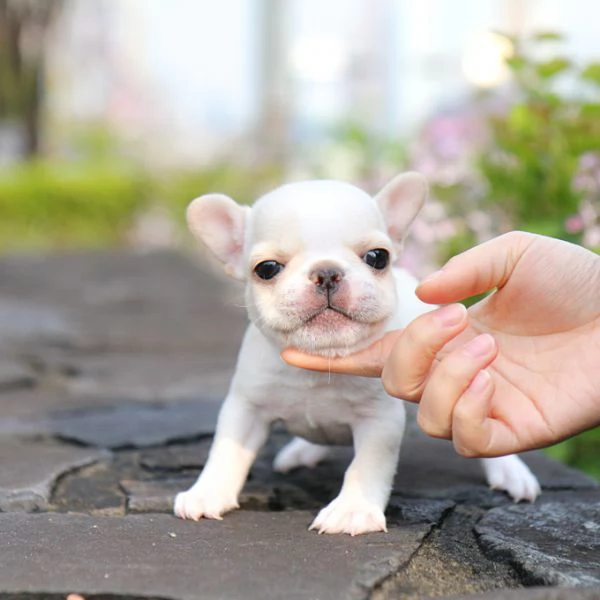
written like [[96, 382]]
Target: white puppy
[[317, 258]]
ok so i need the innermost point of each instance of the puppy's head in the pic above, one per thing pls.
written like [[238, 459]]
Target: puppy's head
[[316, 257]]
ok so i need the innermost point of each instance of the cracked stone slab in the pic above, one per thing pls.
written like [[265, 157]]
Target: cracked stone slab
[[413, 510], [29, 470], [134, 425], [269, 554], [539, 593], [149, 496], [552, 543]]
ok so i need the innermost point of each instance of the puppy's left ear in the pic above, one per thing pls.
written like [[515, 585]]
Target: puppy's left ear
[[400, 202]]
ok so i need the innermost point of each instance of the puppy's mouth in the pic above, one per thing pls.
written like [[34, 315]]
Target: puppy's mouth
[[328, 311]]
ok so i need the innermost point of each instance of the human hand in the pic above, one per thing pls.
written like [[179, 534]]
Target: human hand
[[519, 369]]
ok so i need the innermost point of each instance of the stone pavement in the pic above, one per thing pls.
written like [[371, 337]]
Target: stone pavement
[[112, 366]]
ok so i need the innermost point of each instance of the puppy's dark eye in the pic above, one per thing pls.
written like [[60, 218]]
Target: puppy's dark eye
[[377, 259], [268, 269]]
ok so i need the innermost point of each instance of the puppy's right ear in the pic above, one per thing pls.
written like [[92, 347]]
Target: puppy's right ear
[[220, 224], [400, 202]]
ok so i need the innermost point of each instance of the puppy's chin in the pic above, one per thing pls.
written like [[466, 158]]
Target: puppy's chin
[[329, 334]]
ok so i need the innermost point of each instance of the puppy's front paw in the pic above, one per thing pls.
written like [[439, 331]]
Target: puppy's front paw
[[511, 475], [349, 515], [195, 505]]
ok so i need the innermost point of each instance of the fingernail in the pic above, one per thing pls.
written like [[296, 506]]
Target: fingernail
[[450, 315], [480, 382], [480, 346]]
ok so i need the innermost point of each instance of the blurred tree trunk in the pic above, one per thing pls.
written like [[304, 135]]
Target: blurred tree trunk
[[24, 25], [273, 121]]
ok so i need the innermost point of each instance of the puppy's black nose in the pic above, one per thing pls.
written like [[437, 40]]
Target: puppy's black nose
[[326, 279]]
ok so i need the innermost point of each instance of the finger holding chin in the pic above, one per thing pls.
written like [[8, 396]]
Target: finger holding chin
[[366, 363], [448, 382]]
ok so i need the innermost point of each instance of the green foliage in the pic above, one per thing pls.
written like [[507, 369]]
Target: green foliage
[[92, 204], [55, 205], [580, 452], [175, 190], [537, 143], [376, 150]]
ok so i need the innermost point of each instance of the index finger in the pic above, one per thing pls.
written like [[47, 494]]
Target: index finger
[[365, 363]]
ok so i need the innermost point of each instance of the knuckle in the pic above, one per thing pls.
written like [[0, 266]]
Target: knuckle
[[465, 451], [430, 427]]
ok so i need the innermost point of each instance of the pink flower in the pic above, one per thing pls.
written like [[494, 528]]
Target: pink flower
[[574, 224]]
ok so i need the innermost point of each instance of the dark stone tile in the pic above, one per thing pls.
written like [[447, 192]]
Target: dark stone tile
[[153, 496], [134, 425], [550, 543], [29, 471], [176, 457]]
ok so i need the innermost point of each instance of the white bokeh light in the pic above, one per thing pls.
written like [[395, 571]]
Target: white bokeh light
[[483, 62]]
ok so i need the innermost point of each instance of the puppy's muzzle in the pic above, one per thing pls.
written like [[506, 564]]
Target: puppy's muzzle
[[326, 279]]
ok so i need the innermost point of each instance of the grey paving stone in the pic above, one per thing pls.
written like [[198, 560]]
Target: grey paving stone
[[550, 543], [27, 321], [14, 375], [133, 425], [121, 300], [28, 471], [26, 409], [248, 555], [155, 376]]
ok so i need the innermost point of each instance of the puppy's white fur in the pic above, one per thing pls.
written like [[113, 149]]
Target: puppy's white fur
[[326, 300]]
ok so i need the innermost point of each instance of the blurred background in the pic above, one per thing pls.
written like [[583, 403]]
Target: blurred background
[[114, 114]]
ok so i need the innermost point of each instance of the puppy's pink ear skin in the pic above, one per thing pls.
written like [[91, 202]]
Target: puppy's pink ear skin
[[220, 224], [400, 202]]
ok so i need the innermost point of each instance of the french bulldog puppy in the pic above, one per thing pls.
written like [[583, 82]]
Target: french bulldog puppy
[[317, 260]]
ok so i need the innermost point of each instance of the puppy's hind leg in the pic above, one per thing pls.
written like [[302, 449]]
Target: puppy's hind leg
[[299, 453], [511, 475]]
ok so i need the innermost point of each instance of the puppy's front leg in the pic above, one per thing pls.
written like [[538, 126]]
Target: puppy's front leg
[[241, 431], [368, 481]]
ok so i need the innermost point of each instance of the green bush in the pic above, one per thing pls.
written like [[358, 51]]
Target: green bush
[[175, 190], [537, 143], [55, 205], [580, 452]]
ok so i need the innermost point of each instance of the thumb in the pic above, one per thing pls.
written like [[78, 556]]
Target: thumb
[[366, 363], [477, 270]]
